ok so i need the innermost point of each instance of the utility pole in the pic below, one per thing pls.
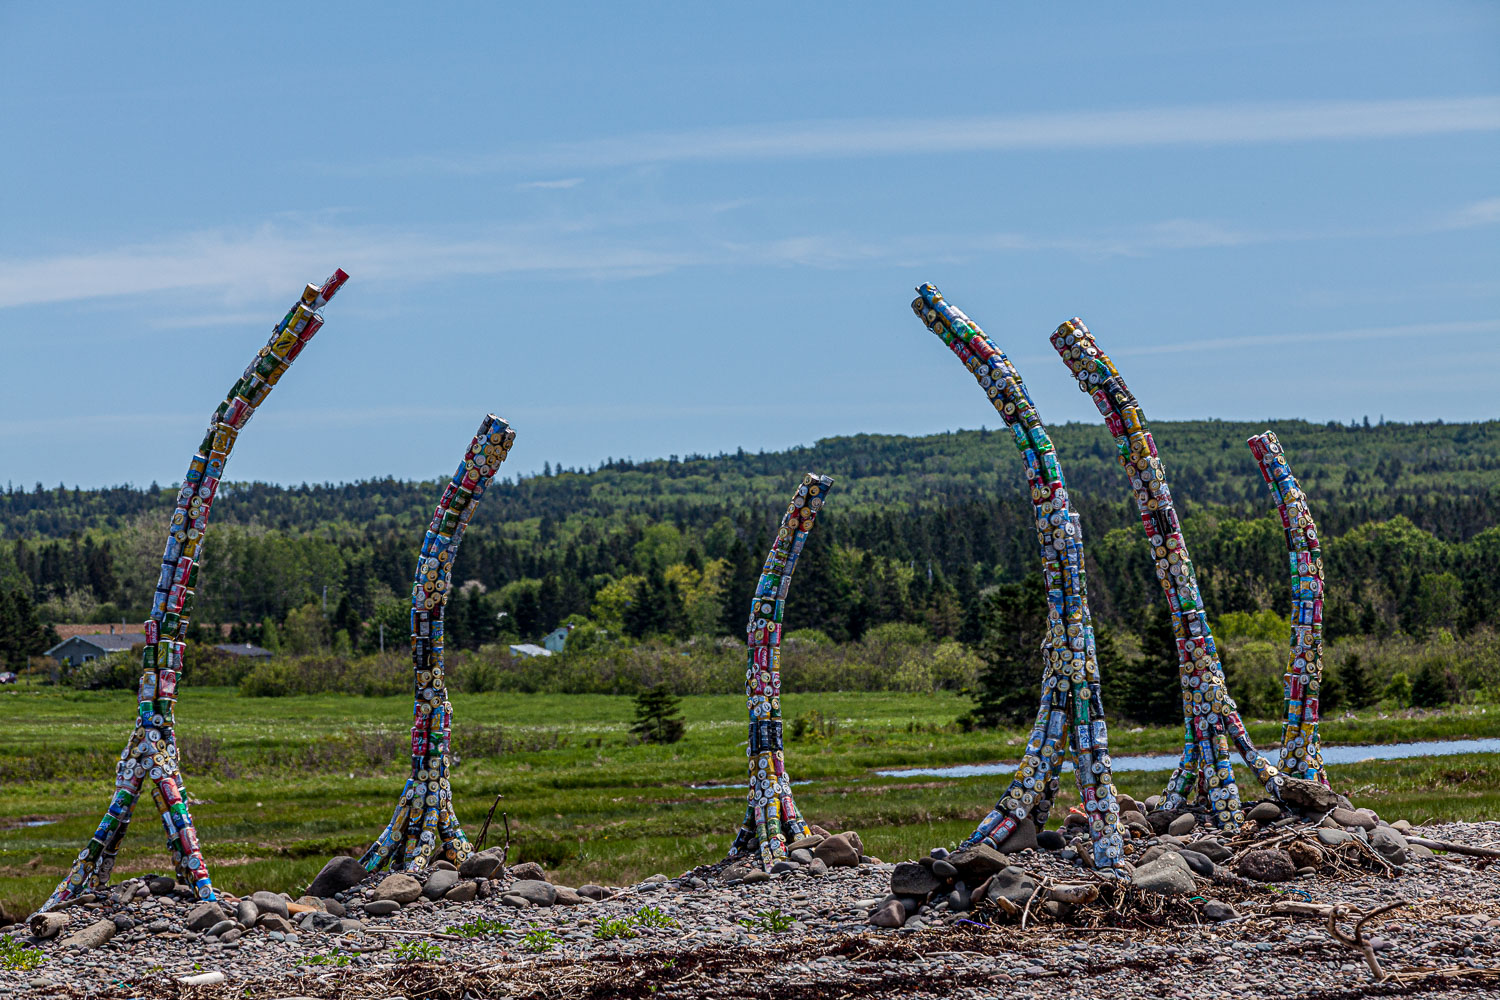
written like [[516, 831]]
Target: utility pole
[[382, 637], [325, 600]]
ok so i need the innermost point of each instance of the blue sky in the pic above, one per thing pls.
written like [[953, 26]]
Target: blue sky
[[653, 229]]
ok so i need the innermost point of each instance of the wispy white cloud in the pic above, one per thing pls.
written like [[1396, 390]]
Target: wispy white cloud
[[559, 184], [1480, 213], [1192, 125]]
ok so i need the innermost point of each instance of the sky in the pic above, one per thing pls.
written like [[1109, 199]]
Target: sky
[[639, 230]]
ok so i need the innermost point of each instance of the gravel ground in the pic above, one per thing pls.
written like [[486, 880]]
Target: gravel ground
[[808, 935]]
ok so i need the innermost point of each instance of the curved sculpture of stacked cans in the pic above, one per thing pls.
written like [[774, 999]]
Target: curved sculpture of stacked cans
[[1210, 715], [1071, 715], [772, 816], [424, 823], [1301, 749], [152, 749]]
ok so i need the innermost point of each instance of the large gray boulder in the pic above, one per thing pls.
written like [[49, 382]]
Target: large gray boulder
[[1011, 883], [1266, 865], [1168, 875], [269, 902], [1307, 796], [839, 851], [439, 881], [977, 863], [339, 874], [912, 879], [400, 888], [534, 891], [482, 864]]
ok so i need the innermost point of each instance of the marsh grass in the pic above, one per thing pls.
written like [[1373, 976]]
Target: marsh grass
[[279, 785]]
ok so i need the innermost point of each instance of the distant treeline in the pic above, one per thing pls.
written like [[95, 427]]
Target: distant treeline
[[915, 531]]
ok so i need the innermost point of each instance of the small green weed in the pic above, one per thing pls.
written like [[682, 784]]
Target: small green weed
[[650, 916], [610, 929], [769, 921], [334, 958], [539, 939], [417, 951], [19, 957], [478, 927]]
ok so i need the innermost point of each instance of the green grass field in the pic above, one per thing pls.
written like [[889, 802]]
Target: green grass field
[[283, 783]]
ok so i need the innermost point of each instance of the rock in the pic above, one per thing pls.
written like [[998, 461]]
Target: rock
[[1213, 850], [1351, 817], [1011, 883], [202, 979], [161, 885], [841, 851], [977, 863], [381, 907], [1266, 865], [318, 920], [1307, 796], [1168, 875], [463, 892], [817, 867], [1402, 826], [1389, 844], [784, 865], [269, 902], [1182, 825], [1332, 838], [1219, 912], [801, 855], [959, 900], [1305, 855], [337, 875], [521, 902], [333, 906], [534, 891], [311, 902], [295, 909], [1264, 812], [274, 922], [122, 922], [203, 916], [1160, 819], [348, 926], [399, 887], [912, 879], [806, 843], [568, 897], [1128, 816], [1022, 838], [528, 870], [1150, 854], [245, 912], [739, 870], [443, 864], [438, 883], [1419, 851], [47, 925], [944, 869], [482, 864], [232, 935], [1199, 864], [594, 892], [219, 928], [756, 875], [892, 914], [818, 830], [1050, 840]]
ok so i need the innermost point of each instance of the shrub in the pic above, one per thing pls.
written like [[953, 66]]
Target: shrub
[[658, 718]]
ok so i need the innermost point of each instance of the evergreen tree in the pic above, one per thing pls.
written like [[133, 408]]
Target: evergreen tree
[[346, 619], [1358, 685], [658, 718], [1154, 694], [1429, 689], [1013, 619], [744, 572]]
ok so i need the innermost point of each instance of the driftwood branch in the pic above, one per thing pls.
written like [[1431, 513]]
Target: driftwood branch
[[1358, 941], [1452, 848]]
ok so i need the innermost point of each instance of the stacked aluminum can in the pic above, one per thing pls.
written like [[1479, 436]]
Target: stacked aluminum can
[[1071, 716], [1210, 715], [424, 823], [152, 749], [771, 816], [1301, 749]]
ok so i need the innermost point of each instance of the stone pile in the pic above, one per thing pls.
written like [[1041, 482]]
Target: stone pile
[[1171, 852], [813, 855]]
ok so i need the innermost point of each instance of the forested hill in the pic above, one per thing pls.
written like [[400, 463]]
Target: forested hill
[[915, 529], [1445, 477]]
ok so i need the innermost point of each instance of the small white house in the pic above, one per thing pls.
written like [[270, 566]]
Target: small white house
[[528, 649]]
